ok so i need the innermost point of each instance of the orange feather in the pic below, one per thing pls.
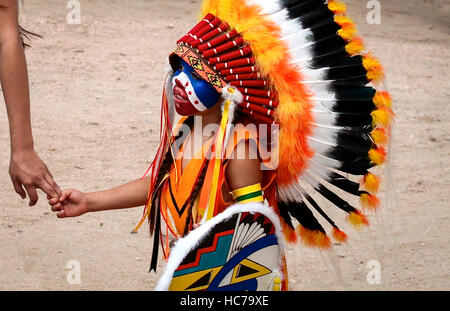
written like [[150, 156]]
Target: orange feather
[[357, 219], [339, 235]]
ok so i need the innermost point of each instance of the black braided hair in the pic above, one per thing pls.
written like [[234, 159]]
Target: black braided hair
[[193, 197]]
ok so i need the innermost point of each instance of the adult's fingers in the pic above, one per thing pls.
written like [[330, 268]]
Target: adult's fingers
[[32, 194], [53, 201], [18, 188], [49, 179], [61, 214], [44, 186]]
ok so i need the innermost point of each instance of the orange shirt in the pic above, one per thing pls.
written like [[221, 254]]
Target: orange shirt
[[176, 192]]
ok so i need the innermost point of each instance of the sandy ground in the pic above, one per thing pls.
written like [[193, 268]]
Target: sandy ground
[[95, 91]]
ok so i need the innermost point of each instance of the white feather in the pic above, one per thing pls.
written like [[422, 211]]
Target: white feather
[[319, 146], [289, 193], [233, 94], [325, 161], [319, 170], [324, 96], [310, 180], [315, 74], [324, 104], [324, 117]]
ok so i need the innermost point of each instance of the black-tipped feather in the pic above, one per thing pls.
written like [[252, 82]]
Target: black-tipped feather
[[284, 213], [361, 144], [348, 93], [339, 181], [309, 19], [335, 199], [353, 120], [347, 69], [329, 195], [347, 156], [301, 212], [354, 106], [328, 59], [324, 29], [356, 168], [351, 108], [318, 208], [300, 8]]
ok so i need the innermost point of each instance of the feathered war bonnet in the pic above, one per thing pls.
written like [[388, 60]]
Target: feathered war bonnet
[[221, 56], [298, 64]]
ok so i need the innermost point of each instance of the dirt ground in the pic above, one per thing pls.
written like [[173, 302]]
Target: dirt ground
[[95, 93]]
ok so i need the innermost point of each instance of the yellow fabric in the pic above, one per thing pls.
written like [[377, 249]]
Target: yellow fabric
[[218, 161], [176, 192]]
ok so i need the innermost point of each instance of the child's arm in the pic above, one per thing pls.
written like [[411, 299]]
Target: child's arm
[[74, 203], [245, 171]]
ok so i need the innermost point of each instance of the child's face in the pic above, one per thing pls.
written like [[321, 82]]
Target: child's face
[[191, 93]]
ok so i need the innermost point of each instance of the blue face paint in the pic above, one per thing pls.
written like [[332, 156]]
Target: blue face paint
[[201, 94]]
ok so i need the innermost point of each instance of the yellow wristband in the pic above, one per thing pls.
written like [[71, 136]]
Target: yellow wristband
[[252, 193]]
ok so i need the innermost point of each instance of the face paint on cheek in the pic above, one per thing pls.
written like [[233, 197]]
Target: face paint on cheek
[[186, 100], [205, 92], [192, 95]]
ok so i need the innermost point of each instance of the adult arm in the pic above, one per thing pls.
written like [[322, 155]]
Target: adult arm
[[26, 169]]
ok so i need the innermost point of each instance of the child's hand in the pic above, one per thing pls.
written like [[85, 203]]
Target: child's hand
[[72, 203]]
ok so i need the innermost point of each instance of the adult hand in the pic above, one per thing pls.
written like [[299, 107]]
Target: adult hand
[[28, 171]]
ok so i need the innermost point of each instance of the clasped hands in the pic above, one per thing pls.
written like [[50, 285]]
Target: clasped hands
[[71, 203]]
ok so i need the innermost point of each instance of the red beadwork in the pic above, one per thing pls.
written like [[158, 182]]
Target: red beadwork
[[246, 69], [203, 30], [244, 76], [261, 100], [256, 92], [235, 43], [236, 63], [224, 49], [250, 83], [260, 109], [216, 41], [231, 55], [258, 116]]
